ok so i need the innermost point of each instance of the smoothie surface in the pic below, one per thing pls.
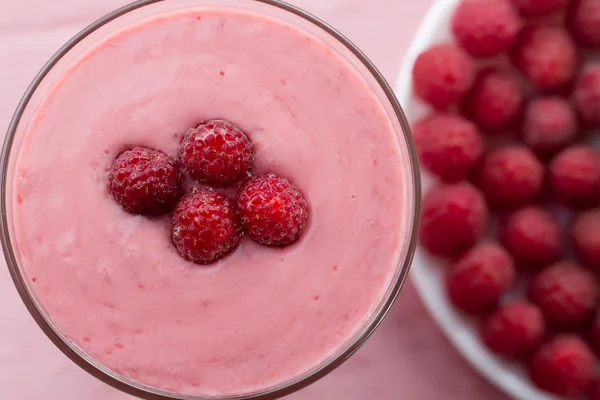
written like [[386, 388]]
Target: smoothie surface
[[114, 283]]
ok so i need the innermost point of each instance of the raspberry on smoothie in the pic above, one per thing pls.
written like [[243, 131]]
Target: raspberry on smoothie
[[272, 209], [145, 181], [217, 152], [206, 226]]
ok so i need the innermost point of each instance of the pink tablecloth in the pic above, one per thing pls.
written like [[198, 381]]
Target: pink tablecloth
[[408, 358]]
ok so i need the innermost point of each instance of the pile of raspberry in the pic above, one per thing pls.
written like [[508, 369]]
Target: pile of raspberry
[[206, 224], [514, 105]]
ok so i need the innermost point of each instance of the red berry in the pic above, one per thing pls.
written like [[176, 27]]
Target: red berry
[[564, 366], [272, 209], [549, 125], [485, 28], [595, 392], [547, 56], [586, 94], [479, 278], [442, 75], [565, 292], [585, 234], [595, 334], [205, 226], [584, 22], [514, 330], [532, 236], [145, 181], [217, 152], [453, 217], [448, 145], [495, 100], [530, 8], [511, 176], [574, 176]]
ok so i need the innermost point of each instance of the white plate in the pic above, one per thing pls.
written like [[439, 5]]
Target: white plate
[[427, 272]]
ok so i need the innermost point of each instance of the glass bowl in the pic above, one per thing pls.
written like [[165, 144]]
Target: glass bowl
[[144, 9]]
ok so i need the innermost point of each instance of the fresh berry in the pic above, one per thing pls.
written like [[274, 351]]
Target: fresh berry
[[564, 366], [532, 236], [531, 8], [586, 94], [453, 217], [585, 235], [272, 209], [479, 278], [574, 176], [495, 99], [514, 330], [549, 125], [511, 176], [547, 56], [565, 292], [145, 181], [584, 22], [442, 75], [595, 392], [485, 28], [448, 145], [205, 226], [595, 334], [217, 152]]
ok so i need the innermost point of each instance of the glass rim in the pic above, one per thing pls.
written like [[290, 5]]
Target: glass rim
[[113, 379]]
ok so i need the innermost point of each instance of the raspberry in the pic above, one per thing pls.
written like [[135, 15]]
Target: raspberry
[[448, 145], [585, 235], [217, 152], [532, 236], [442, 75], [511, 176], [574, 176], [564, 366], [549, 125], [479, 278], [272, 209], [565, 292], [547, 56], [595, 392], [584, 22], [453, 217], [485, 28], [145, 181], [495, 100], [205, 226], [514, 330], [586, 94], [531, 8], [595, 333]]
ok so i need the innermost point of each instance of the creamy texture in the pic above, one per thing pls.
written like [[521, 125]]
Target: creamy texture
[[113, 282]]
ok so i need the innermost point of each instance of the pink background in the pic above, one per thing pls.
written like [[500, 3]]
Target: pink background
[[407, 358]]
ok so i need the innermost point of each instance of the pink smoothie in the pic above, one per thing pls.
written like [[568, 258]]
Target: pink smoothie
[[113, 282]]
